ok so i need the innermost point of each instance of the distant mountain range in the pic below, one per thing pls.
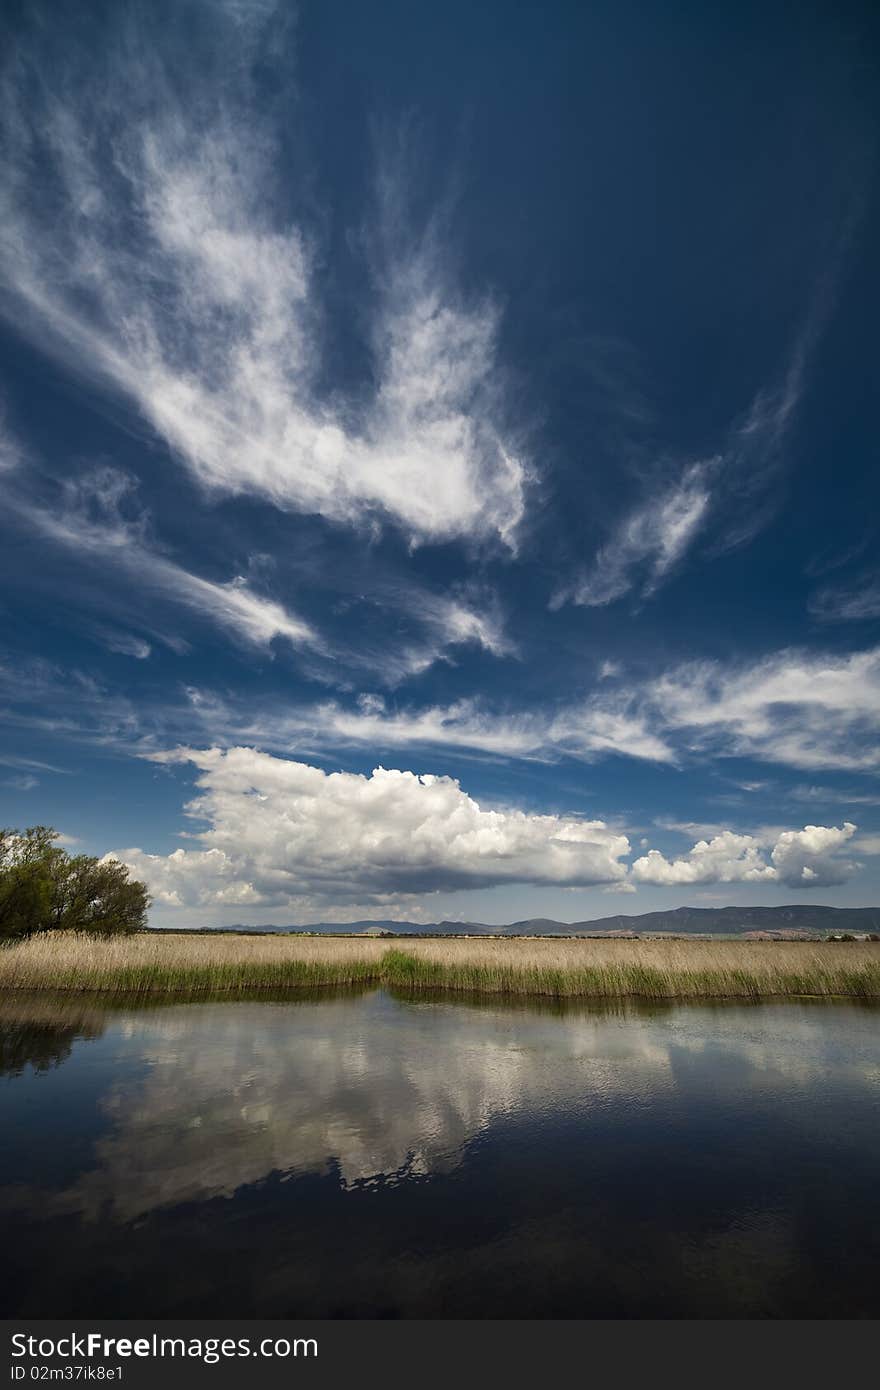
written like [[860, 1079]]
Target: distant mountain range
[[807, 918]]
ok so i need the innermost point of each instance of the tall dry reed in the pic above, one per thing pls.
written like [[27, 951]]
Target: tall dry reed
[[151, 963]]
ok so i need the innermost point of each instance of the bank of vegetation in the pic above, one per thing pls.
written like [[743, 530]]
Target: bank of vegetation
[[146, 963]]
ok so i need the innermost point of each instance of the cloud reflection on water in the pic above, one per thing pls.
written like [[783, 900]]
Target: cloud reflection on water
[[378, 1090]]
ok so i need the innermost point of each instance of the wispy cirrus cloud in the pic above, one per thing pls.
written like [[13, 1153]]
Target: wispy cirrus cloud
[[856, 602], [850, 796], [96, 516], [648, 543], [444, 623], [586, 730], [31, 764], [798, 709], [810, 712], [22, 782], [125, 643], [732, 490], [12, 452], [39, 695], [68, 702], [156, 252], [91, 522]]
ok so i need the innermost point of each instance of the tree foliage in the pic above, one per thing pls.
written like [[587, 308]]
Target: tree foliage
[[43, 888]]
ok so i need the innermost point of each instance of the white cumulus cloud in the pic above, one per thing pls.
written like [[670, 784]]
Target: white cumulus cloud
[[805, 858], [280, 831], [809, 856]]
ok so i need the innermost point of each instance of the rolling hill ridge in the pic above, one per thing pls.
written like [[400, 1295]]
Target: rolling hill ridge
[[813, 919]]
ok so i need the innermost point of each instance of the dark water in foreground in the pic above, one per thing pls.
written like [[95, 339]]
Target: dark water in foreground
[[367, 1156]]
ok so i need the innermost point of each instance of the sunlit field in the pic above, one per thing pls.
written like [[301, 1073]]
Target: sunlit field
[[147, 963]]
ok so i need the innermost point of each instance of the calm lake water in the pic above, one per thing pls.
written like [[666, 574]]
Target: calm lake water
[[371, 1156]]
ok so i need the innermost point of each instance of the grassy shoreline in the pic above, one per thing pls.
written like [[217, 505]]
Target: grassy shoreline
[[154, 965]]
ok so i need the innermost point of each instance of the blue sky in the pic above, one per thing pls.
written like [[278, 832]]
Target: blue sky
[[439, 463]]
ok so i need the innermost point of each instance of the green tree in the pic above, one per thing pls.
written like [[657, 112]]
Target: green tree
[[25, 878], [96, 896], [42, 888]]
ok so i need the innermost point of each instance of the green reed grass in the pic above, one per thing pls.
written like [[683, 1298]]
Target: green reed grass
[[634, 979]]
